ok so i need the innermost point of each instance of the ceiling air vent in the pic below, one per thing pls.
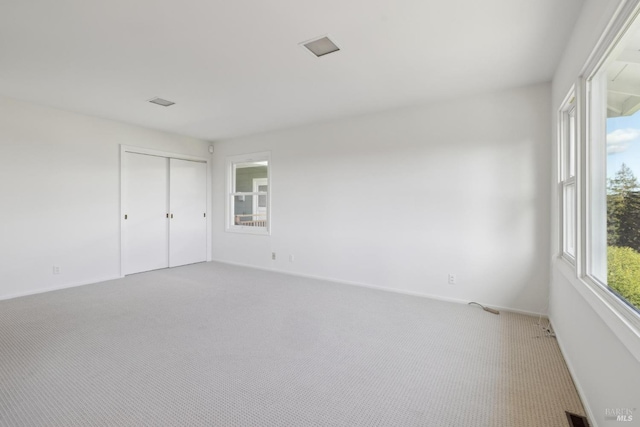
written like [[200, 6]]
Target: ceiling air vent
[[320, 47], [161, 101]]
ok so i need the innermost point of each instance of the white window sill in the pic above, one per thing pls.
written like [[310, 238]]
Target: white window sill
[[622, 321], [260, 231]]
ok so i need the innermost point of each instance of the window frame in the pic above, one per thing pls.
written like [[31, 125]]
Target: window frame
[[230, 194], [606, 303], [568, 136]]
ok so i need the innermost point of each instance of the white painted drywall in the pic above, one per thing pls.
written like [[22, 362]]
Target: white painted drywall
[[605, 369], [400, 199], [60, 194]]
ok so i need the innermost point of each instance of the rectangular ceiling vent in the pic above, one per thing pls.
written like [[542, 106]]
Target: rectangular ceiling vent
[[161, 101], [322, 46]]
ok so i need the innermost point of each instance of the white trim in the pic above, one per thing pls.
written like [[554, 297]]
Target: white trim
[[229, 225], [169, 155], [621, 19], [597, 300], [581, 393], [623, 321], [159, 153], [567, 113], [244, 229], [380, 288], [58, 287], [581, 193]]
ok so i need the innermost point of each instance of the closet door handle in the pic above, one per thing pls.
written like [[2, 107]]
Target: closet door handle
[[167, 215], [171, 216]]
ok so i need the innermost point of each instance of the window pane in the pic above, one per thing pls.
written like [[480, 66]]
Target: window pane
[[243, 205], [246, 173], [571, 143], [248, 200], [597, 179], [623, 208], [614, 176], [569, 226]]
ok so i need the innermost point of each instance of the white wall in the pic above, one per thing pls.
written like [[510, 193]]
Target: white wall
[[597, 347], [60, 194], [400, 199]]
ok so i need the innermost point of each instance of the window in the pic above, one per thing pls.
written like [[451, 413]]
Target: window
[[248, 193], [613, 212], [567, 174]]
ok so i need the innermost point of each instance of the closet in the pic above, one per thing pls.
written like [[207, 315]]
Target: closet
[[164, 212]]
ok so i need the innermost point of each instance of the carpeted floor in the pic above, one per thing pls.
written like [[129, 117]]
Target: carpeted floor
[[218, 345]]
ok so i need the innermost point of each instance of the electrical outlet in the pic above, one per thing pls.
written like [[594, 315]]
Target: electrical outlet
[[291, 258], [452, 279], [56, 269], [273, 256]]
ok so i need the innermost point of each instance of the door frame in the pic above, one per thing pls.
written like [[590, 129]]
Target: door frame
[[123, 196], [257, 182]]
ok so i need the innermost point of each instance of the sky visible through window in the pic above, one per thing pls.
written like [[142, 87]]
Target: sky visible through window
[[623, 144]]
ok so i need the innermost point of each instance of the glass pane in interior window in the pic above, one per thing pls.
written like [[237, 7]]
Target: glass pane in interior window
[[246, 173], [247, 213], [243, 205]]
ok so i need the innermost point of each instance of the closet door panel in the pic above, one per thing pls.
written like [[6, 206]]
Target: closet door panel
[[146, 206], [188, 205]]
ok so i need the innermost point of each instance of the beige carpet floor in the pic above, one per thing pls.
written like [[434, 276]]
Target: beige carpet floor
[[218, 345]]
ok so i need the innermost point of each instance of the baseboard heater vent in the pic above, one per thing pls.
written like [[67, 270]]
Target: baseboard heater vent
[[576, 420]]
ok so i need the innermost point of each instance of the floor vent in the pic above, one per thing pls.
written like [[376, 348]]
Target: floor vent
[[576, 420]]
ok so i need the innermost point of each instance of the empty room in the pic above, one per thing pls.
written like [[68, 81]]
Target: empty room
[[350, 213]]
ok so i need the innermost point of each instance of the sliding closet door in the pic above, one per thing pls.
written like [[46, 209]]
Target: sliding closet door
[[187, 207], [146, 231]]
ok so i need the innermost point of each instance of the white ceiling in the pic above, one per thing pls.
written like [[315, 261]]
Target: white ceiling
[[234, 67]]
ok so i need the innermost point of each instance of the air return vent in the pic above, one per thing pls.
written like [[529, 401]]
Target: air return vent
[[576, 420], [161, 101], [321, 46]]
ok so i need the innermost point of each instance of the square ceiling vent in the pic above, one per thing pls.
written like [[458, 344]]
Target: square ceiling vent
[[160, 101], [321, 46]]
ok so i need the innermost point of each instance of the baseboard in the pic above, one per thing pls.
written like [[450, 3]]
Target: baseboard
[[380, 288], [518, 311], [57, 288], [289, 273], [576, 383]]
